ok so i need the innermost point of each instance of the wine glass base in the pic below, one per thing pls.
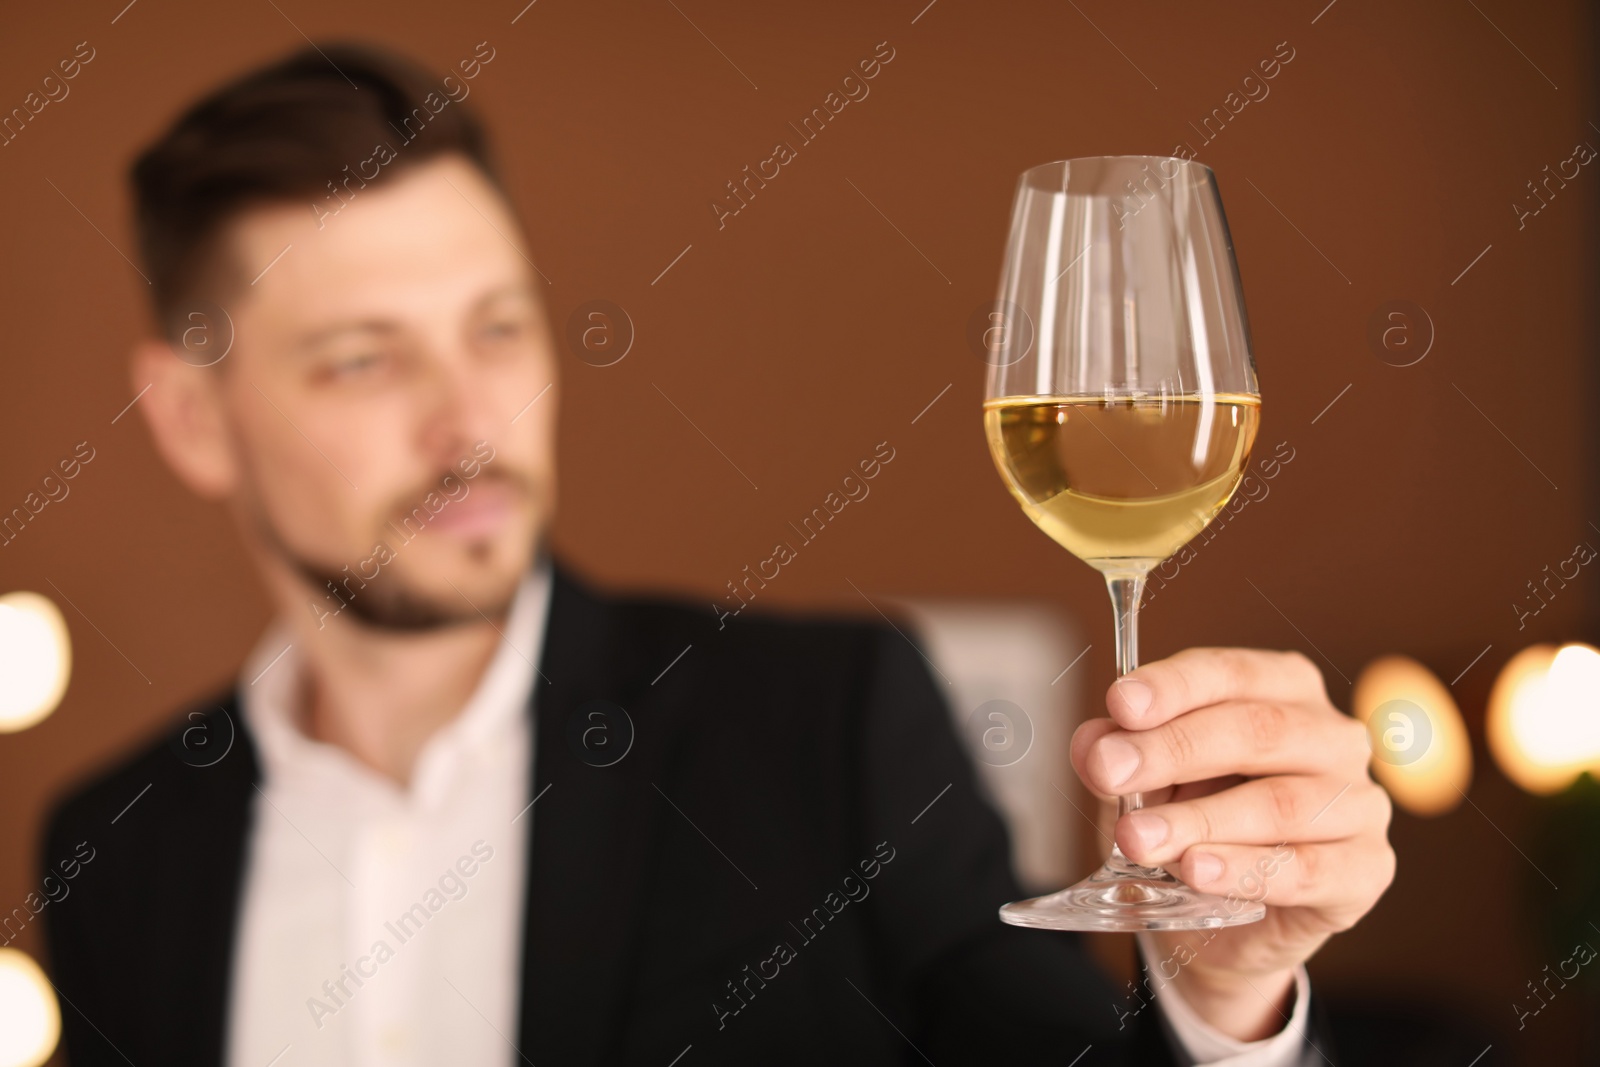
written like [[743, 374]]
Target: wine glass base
[[1139, 898]]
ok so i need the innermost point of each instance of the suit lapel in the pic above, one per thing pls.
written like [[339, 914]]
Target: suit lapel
[[199, 849], [590, 829]]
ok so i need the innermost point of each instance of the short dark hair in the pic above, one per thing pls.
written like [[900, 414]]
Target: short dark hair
[[285, 132]]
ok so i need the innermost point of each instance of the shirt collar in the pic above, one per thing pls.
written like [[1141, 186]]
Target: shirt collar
[[270, 687]]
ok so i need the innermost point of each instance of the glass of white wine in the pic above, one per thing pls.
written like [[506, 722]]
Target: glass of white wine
[[1121, 407]]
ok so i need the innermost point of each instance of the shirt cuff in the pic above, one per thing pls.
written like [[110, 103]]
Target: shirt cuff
[[1205, 1044]]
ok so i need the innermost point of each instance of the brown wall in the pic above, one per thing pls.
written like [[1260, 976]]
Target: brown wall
[[809, 328]]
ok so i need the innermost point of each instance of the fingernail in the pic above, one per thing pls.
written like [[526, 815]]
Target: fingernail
[[1207, 868], [1147, 829], [1136, 695], [1118, 760]]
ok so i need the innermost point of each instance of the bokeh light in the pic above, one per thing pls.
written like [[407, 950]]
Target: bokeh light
[[1544, 716], [30, 1020], [35, 659], [1421, 752]]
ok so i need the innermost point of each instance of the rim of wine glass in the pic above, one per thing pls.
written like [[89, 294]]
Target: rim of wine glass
[[1180, 160]]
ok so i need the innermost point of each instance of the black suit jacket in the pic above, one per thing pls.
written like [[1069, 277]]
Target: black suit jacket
[[792, 863]]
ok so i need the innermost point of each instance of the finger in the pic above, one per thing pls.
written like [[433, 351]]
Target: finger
[[1234, 738], [1196, 677], [1261, 811], [1343, 878], [1083, 739]]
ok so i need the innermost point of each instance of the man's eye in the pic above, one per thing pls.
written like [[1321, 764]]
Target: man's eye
[[501, 329], [351, 366]]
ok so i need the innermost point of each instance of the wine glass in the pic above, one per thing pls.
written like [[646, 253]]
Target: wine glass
[[1120, 409]]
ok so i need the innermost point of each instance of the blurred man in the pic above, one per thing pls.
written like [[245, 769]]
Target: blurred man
[[461, 807]]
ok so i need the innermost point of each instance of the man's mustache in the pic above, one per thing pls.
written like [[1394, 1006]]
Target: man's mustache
[[455, 487]]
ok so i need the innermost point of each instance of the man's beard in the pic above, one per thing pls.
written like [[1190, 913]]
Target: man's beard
[[383, 602]]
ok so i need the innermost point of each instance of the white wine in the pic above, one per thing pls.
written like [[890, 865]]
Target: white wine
[[1122, 482]]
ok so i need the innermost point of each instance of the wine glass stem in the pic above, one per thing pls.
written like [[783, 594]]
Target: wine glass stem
[[1126, 592]]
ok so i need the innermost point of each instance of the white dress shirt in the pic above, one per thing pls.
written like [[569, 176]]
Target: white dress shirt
[[419, 890], [381, 925]]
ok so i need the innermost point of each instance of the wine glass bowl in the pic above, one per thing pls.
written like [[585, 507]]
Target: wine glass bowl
[[1121, 406], [1122, 482]]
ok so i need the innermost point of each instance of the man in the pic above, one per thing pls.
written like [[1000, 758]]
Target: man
[[463, 808]]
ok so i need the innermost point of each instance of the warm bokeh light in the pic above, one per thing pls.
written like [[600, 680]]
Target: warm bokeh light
[[30, 1021], [1544, 716], [1421, 753], [35, 659]]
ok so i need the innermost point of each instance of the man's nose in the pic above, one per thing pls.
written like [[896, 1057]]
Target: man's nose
[[459, 411]]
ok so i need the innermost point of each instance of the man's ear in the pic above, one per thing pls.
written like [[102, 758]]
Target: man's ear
[[185, 411]]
